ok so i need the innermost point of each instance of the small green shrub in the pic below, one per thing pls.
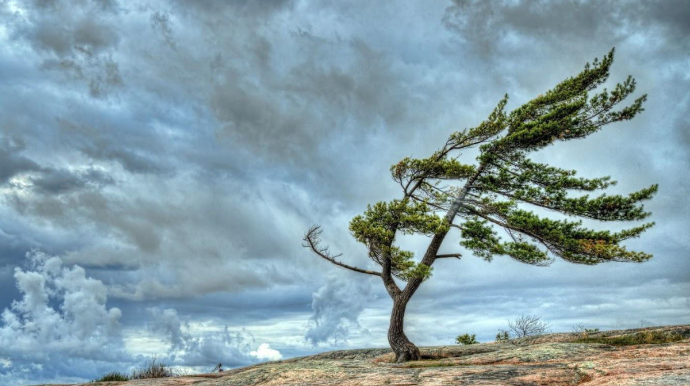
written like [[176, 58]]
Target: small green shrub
[[591, 330], [113, 377], [466, 339], [502, 336], [152, 369]]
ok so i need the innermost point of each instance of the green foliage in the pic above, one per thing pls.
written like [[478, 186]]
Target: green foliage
[[481, 239], [379, 224], [502, 336], [466, 339], [113, 377], [440, 192], [434, 167], [492, 126]]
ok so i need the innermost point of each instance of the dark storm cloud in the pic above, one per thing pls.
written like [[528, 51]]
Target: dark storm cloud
[[43, 179], [133, 153], [74, 39], [488, 24], [279, 120], [177, 151], [11, 160], [62, 181], [288, 118]]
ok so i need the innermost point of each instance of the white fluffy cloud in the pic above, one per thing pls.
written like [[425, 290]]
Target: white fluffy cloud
[[60, 318], [336, 309], [190, 347], [266, 352]]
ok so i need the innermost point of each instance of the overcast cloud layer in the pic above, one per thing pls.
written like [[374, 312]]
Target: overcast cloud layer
[[160, 162]]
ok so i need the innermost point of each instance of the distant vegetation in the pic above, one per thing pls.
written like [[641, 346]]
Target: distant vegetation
[[522, 327], [113, 377], [642, 337], [527, 325], [581, 329], [466, 339], [502, 335], [152, 369]]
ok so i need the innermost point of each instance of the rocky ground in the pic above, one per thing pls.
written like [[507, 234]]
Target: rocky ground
[[650, 356]]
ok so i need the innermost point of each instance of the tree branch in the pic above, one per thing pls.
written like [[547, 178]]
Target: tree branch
[[437, 239], [549, 246], [456, 255], [312, 242]]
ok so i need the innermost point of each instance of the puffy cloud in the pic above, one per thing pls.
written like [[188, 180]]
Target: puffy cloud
[[203, 349], [336, 309], [266, 352], [169, 324], [61, 318]]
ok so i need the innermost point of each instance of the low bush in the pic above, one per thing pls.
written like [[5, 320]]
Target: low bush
[[527, 326], [113, 377], [466, 339], [502, 336]]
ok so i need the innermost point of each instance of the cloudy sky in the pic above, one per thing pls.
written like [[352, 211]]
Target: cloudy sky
[[161, 160]]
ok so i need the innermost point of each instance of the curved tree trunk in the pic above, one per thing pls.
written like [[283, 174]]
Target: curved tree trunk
[[402, 347]]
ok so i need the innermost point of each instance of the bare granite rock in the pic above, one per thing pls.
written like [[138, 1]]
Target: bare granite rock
[[649, 356]]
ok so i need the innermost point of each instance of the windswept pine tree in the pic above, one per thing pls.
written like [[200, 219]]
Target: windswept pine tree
[[439, 194]]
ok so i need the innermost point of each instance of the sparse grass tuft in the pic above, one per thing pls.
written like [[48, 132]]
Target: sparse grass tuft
[[643, 337], [152, 369], [113, 377]]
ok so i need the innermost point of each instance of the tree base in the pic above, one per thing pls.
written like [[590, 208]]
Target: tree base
[[408, 352]]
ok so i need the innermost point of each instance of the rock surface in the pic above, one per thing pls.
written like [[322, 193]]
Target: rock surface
[[627, 357]]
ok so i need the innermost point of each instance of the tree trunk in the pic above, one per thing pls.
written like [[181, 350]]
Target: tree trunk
[[402, 347]]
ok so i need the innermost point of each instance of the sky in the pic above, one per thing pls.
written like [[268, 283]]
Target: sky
[[161, 160]]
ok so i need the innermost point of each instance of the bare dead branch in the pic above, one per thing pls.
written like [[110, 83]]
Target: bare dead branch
[[312, 240], [456, 255], [528, 325]]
